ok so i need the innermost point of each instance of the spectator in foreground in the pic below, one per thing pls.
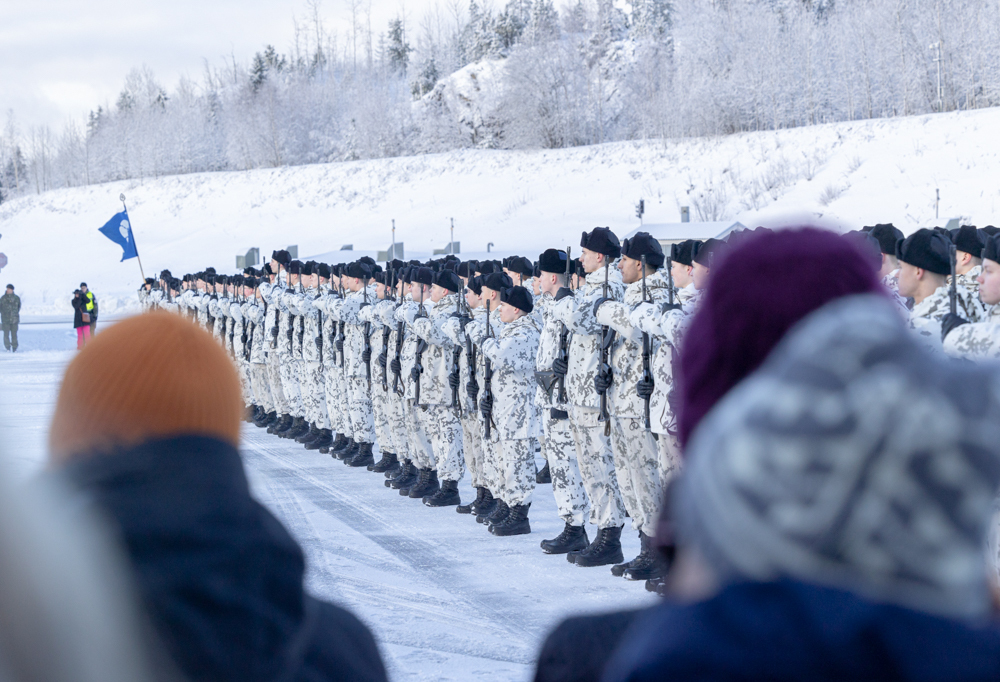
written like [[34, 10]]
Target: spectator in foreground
[[148, 423], [832, 517], [81, 319], [10, 317]]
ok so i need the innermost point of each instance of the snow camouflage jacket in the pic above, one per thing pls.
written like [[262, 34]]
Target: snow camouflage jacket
[[354, 331], [408, 353], [437, 358], [10, 309], [476, 329], [548, 351], [310, 326], [388, 315], [376, 314], [254, 314], [577, 313], [328, 304], [969, 280], [626, 358], [452, 328], [513, 356], [235, 329], [925, 318], [668, 327], [295, 302], [975, 341]]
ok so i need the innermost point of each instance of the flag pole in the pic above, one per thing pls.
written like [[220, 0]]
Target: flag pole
[[132, 232]]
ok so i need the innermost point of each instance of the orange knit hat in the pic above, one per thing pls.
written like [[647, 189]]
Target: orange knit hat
[[151, 376]]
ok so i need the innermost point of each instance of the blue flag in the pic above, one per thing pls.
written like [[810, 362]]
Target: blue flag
[[119, 231]]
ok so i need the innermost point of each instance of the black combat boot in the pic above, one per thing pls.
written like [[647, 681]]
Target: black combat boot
[[339, 443], [386, 464], [363, 458], [648, 564], [605, 549], [418, 478], [429, 487], [283, 423], [256, 413], [515, 523], [467, 508], [324, 441], [446, 495], [348, 454], [486, 507], [498, 514], [572, 539], [309, 436], [653, 585], [264, 419], [543, 476], [404, 479], [299, 427]]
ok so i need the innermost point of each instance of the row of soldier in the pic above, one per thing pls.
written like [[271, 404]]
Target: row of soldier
[[453, 365]]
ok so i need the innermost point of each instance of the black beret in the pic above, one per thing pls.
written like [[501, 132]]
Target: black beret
[[887, 235], [867, 244], [709, 251], [497, 281], [518, 297], [359, 270], [967, 238], [685, 251], [423, 275], [991, 251], [324, 270], [295, 267], [476, 285], [282, 256], [520, 265], [602, 240], [449, 280], [926, 249], [643, 244]]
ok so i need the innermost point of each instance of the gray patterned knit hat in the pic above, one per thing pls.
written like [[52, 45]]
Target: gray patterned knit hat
[[854, 459]]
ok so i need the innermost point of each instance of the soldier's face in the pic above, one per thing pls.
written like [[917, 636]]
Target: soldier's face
[[293, 279], [909, 279], [275, 265], [989, 282], [437, 293], [472, 299], [700, 275], [681, 274], [631, 269], [591, 260], [509, 313]]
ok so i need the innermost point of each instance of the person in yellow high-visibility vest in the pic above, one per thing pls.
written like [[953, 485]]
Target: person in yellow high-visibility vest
[[91, 307]]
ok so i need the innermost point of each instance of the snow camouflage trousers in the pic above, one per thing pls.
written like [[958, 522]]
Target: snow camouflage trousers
[[597, 467], [421, 452], [314, 394], [637, 467], [290, 384], [380, 413], [444, 432], [335, 401], [274, 383], [516, 471], [472, 448], [396, 422], [260, 385], [359, 410], [491, 460], [669, 450], [244, 369], [567, 484]]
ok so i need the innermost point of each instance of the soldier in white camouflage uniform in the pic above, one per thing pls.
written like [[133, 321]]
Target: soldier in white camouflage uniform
[[405, 474], [288, 363], [313, 380], [437, 411], [558, 446], [253, 313], [510, 405], [633, 444], [271, 291], [328, 304], [978, 340], [593, 446], [357, 362], [969, 243], [376, 315]]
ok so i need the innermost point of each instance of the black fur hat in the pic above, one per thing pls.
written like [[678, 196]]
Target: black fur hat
[[165, 275], [685, 251], [282, 256], [487, 267], [467, 268], [926, 249], [520, 265], [359, 270], [867, 244], [644, 244], [423, 275], [518, 297], [887, 235], [602, 240], [324, 270], [448, 280], [476, 285], [308, 268], [709, 252], [497, 281], [991, 251], [295, 267], [967, 238]]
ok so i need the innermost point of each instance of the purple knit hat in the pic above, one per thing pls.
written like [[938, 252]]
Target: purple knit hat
[[756, 294]]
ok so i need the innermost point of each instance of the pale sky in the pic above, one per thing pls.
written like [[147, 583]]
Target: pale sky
[[61, 58]]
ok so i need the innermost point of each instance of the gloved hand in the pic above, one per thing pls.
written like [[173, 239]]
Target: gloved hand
[[453, 380], [669, 306], [340, 346], [486, 406], [644, 389], [560, 367], [563, 292], [472, 390], [366, 356], [395, 366], [949, 322], [602, 382], [382, 360], [599, 302], [415, 373]]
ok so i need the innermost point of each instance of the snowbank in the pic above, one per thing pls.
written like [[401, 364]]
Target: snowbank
[[842, 175]]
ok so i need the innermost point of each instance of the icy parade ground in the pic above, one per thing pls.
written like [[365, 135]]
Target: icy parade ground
[[445, 599]]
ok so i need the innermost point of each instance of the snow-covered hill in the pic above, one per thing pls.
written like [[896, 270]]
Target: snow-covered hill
[[841, 175]]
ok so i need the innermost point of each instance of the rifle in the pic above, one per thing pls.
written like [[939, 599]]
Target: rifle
[[953, 291], [302, 321], [319, 324], [670, 279], [385, 328], [368, 340], [456, 358], [421, 347], [470, 354], [340, 328], [647, 376], [607, 337], [487, 380], [564, 335]]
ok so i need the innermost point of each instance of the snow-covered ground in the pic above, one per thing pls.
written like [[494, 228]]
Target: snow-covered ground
[[843, 175], [445, 599]]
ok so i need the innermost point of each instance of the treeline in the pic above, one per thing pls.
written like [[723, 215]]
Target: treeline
[[534, 77]]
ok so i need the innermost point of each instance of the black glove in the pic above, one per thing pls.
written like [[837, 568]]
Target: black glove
[[340, 346], [644, 389], [599, 302], [453, 380], [560, 367], [602, 382], [486, 406], [382, 360], [669, 306], [949, 322], [366, 356], [563, 292], [395, 366], [472, 390], [415, 373]]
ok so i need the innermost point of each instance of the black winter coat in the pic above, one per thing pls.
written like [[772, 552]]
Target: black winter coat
[[219, 575], [79, 305]]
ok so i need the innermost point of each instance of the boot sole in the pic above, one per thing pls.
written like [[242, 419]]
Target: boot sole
[[447, 503], [501, 532], [616, 559], [563, 550]]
